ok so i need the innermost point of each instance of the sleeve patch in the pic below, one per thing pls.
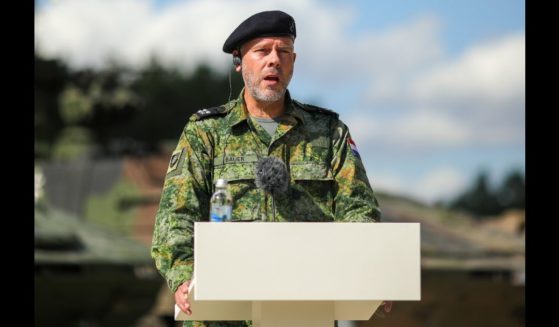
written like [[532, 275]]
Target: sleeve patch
[[353, 147], [175, 159]]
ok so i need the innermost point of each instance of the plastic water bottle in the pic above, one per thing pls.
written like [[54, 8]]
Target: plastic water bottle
[[221, 203]]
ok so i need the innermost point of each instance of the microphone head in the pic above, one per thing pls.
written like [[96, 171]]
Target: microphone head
[[271, 175]]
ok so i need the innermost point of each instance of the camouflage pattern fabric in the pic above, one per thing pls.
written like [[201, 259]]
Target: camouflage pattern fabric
[[327, 179]]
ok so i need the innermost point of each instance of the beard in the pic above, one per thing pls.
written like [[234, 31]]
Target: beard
[[252, 83]]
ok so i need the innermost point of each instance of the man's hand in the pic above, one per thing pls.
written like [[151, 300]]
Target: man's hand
[[387, 306], [181, 298]]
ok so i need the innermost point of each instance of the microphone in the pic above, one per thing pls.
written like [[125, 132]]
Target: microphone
[[272, 178], [236, 58]]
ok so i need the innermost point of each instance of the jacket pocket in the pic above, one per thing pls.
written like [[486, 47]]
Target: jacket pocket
[[240, 175], [310, 171], [312, 188]]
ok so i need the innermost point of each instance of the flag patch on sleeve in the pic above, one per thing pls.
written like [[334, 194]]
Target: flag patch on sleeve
[[353, 147]]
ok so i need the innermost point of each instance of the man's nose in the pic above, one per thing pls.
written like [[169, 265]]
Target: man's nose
[[273, 59]]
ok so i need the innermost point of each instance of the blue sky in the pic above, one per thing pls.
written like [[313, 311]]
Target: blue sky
[[432, 91]]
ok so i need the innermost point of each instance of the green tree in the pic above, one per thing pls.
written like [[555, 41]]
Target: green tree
[[92, 105], [479, 200], [169, 97], [50, 79], [117, 110], [511, 194]]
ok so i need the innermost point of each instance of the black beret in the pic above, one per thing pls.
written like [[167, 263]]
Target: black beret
[[266, 23]]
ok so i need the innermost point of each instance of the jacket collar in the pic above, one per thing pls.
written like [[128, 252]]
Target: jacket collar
[[238, 112]]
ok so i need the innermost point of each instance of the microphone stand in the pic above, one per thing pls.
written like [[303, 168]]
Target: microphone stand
[[273, 207]]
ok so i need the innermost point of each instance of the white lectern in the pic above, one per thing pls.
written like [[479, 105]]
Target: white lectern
[[301, 274]]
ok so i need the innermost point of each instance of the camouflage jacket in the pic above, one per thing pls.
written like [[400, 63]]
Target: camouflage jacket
[[327, 178]]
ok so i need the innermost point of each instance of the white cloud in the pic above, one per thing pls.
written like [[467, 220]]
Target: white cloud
[[329, 52], [402, 48], [475, 99], [185, 33], [87, 32], [412, 133], [388, 182], [489, 76], [440, 183]]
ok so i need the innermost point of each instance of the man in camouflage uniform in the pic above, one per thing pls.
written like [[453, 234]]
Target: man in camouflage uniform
[[327, 179]]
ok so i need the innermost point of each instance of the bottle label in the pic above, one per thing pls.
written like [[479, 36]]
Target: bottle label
[[220, 213]]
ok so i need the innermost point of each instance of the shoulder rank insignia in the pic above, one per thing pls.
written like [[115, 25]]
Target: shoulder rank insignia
[[209, 112], [311, 108]]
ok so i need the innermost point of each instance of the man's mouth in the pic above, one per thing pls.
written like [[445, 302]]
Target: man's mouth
[[271, 78]]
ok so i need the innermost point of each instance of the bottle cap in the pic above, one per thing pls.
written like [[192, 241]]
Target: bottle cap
[[221, 183]]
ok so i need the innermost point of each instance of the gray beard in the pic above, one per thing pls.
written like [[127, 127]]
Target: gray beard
[[263, 96]]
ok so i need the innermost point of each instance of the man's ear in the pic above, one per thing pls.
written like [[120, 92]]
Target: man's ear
[[238, 68]]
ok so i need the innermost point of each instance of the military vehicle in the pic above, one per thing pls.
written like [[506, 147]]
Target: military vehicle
[[88, 276]]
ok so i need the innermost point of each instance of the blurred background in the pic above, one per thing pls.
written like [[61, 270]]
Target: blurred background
[[433, 93]]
